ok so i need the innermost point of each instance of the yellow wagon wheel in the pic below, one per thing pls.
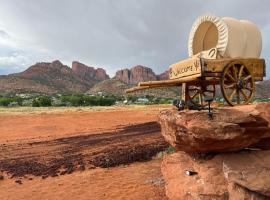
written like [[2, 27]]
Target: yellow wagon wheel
[[197, 93], [237, 84]]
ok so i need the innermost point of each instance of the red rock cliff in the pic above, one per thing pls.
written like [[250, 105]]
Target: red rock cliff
[[87, 72], [136, 74]]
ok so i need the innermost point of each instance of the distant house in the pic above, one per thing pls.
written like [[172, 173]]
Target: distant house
[[142, 100], [100, 93]]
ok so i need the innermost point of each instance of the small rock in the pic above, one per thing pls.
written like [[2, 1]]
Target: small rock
[[191, 173], [18, 181]]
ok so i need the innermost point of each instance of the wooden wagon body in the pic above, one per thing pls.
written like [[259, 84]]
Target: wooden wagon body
[[199, 76]]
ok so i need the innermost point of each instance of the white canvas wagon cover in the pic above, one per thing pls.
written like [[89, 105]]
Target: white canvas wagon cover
[[233, 38]]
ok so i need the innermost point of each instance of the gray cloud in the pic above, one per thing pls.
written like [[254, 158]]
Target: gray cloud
[[115, 34]]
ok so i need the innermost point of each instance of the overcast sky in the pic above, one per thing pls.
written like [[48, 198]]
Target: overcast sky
[[113, 34]]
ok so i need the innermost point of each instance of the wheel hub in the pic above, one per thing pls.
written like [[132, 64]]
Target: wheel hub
[[241, 84]]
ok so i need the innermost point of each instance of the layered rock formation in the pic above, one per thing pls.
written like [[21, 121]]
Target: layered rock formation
[[138, 74], [54, 77], [114, 86], [231, 129], [89, 73], [224, 158], [135, 74], [46, 77], [235, 176], [163, 76]]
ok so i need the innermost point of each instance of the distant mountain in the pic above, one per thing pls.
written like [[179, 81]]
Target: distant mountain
[[138, 74], [54, 77], [263, 89], [51, 78], [89, 73], [111, 86], [114, 86]]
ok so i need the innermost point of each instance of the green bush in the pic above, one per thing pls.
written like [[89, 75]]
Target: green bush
[[43, 101], [6, 101], [132, 98], [85, 100]]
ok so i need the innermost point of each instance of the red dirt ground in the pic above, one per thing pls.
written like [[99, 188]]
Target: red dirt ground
[[81, 154]]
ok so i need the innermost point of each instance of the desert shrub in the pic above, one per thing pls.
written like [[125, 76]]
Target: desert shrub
[[85, 100], [42, 101], [106, 101], [35, 103], [169, 150], [6, 101], [132, 98]]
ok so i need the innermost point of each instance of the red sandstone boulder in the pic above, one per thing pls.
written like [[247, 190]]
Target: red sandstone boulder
[[231, 129], [209, 183], [232, 176], [249, 170]]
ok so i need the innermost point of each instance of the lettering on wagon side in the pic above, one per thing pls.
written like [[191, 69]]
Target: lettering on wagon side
[[183, 69]]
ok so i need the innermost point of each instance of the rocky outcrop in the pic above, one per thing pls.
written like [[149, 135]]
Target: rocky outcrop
[[124, 75], [101, 74], [207, 183], [231, 129], [163, 76], [89, 73], [45, 77], [136, 74], [226, 158], [236, 176], [249, 170], [139, 74]]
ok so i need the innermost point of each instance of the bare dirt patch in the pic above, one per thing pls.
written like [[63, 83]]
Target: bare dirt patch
[[65, 155], [81, 154]]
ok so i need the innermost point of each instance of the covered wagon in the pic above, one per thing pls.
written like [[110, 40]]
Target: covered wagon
[[222, 51]]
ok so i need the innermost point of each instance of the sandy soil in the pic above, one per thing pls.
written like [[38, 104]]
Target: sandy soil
[[76, 153], [135, 181], [28, 123]]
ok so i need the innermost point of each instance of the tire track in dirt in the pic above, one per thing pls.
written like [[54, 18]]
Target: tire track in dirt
[[65, 155]]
